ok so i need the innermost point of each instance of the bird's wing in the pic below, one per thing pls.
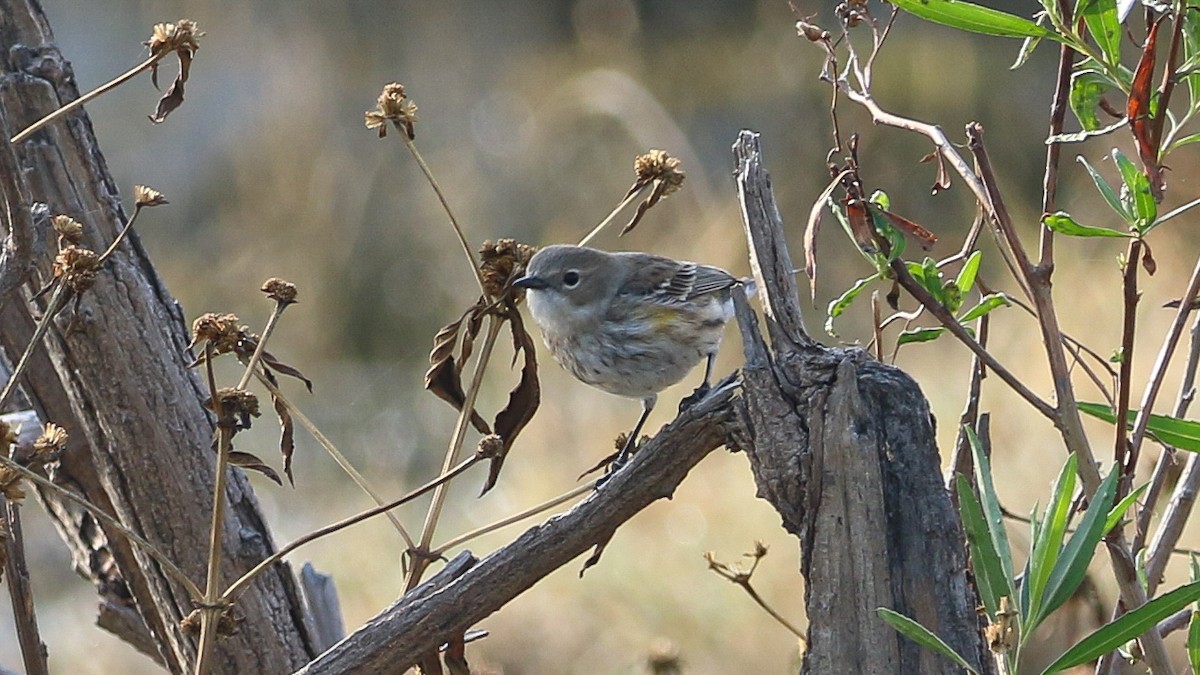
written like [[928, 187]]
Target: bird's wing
[[667, 280]]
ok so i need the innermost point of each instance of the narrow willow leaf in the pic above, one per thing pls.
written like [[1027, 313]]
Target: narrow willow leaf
[[985, 563], [987, 304], [1062, 223], [1087, 86], [1049, 540], [1193, 641], [993, 514], [1137, 195], [1129, 626], [1102, 22], [842, 302], [974, 18], [915, 335], [922, 636], [1106, 191], [1175, 432], [1118, 511], [1072, 563], [970, 269]]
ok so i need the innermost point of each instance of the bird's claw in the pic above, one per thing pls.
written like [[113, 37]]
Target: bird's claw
[[695, 397]]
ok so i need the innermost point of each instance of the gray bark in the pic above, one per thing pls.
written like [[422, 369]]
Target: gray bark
[[119, 384], [844, 448]]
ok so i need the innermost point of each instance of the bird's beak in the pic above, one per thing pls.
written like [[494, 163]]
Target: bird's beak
[[531, 283]]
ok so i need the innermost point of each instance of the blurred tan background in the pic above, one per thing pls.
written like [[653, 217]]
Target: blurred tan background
[[530, 116]]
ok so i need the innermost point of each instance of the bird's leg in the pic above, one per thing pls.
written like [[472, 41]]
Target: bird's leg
[[701, 391], [630, 441]]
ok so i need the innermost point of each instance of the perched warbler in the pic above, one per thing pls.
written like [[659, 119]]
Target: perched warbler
[[632, 323]]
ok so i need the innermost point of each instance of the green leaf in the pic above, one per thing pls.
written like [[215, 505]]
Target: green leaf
[[1062, 223], [1106, 191], [1131, 625], [1136, 195], [993, 515], [915, 335], [842, 302], [985, 562], [1087, 86], [1048, 541], [1080, 136], [973, 18], [1025, 52], [922, 636], [970, 269], [987, 304], [1193, 641], [1105, 27], [1072, 563], [1175, 432], [1118, 511]]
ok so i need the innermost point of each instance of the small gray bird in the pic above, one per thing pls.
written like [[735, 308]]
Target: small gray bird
[[632, 323]]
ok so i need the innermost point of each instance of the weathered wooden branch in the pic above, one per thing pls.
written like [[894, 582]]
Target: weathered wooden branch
[[119, 383], [448, 605], [321, 594], [844, 448]]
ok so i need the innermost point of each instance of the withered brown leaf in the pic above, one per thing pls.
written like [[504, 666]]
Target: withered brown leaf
[[1146, 129], [923, 236], [174, 96], [248, 460], [444, 377], [523, 400]]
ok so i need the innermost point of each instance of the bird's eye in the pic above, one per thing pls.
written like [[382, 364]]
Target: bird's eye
[[571, 279]]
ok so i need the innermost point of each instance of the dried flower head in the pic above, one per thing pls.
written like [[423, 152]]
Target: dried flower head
[[283, 292], [500, 261], [657, 165], [147, 196], [69, 230], [50, 445], [658, 171], [222, 330], [812, 32], [490, 446], [393, 106], [8, 436], [77, 267], [236, 403], [170, 37], [10, 484]]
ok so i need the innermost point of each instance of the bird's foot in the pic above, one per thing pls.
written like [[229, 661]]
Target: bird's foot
[[695, 397]]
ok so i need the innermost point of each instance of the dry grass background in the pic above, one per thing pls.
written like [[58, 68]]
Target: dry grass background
[[530, 115]]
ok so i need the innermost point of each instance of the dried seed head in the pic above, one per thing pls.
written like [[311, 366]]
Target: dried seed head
[[10, 484], [227, 623], [237, 405], [69, 230], [760, 550], [392, 106], [77, 267], [500, 261], [657, 165], [812, 32], [170, 37], [50, 445], [222, 330], [8, 436], [490, 446], [147, 196], [283, 292]]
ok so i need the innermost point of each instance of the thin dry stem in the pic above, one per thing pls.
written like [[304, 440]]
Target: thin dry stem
[[57, 302], [612, 216], [453, 451], [120, 237], [458, 231], [161, 558], [238, 586], [33, 650], [102, 89], [336, 454], [210, 613], [261, 347], [516, 517]]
